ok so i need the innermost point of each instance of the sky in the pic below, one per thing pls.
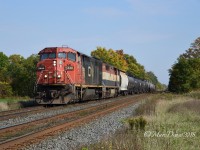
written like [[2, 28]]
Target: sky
[[155, 32]]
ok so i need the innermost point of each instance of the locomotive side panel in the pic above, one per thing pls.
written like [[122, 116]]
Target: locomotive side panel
[[110, 81], [92, 71], [110, 75]]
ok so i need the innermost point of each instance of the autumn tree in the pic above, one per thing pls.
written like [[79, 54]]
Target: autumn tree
[[185, 73], [124, 62], [101, 53], [120, 61], [193, 51], [115, 58], [152, 77], [134, 68]]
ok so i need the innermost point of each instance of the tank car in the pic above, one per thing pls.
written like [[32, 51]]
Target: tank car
[[123, 83]]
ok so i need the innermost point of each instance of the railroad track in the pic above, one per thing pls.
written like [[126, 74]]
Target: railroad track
[[13, 113], [50, 111], [6, 115], [38, 130], [26, 112]]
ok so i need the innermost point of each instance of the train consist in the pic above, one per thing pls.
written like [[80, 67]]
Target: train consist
[[64, 75]]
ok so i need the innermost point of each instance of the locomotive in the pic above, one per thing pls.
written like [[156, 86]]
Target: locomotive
[[65, 75]]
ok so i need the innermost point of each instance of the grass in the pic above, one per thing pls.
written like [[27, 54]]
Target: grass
[[171, 122], [13, 99], [194, 94], [15, 103], [192, 105]]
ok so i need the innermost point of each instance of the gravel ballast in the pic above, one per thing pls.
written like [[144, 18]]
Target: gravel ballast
[[48, 113], [87, 134]]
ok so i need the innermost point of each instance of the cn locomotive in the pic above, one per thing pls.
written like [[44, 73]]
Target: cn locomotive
[[65, 75]]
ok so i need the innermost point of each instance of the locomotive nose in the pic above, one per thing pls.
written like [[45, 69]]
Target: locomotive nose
[[45, 71]]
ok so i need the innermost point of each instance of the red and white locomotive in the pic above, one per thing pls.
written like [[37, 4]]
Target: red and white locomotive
[[64, 75]]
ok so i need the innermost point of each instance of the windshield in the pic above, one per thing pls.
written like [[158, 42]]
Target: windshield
[[47, 55], [71, 56], [52, 55], [61, 55], [43, 56]]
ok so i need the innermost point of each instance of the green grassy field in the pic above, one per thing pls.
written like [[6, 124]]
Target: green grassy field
[[163, 121]]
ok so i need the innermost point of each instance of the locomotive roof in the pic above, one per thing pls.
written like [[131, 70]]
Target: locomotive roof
[[50, 49]]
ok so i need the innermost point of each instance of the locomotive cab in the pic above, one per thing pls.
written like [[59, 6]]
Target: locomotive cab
[[56, 75]]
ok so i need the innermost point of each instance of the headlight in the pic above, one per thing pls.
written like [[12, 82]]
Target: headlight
[[45, 76], [59, 76], [54, 63]]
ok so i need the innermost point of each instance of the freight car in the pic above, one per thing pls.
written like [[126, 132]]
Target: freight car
[[64, 75]]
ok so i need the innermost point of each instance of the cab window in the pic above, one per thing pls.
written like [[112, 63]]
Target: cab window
[[47, 55], [62, 55], [52, 55], [71, 56], [43, 56]]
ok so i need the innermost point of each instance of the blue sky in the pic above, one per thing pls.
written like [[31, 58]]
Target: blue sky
[[155, 32]]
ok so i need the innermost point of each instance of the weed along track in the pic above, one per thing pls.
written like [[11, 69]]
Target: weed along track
[[25, 134]]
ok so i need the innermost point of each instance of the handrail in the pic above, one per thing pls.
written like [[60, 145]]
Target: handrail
[[70, 80], [39, 77]]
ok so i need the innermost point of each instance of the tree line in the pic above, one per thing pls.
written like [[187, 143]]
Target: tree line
[[185, 73], [17, 75], [126, 63]]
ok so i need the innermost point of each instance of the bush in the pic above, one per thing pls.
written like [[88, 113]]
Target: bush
[[137, 123], [5, 90]]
